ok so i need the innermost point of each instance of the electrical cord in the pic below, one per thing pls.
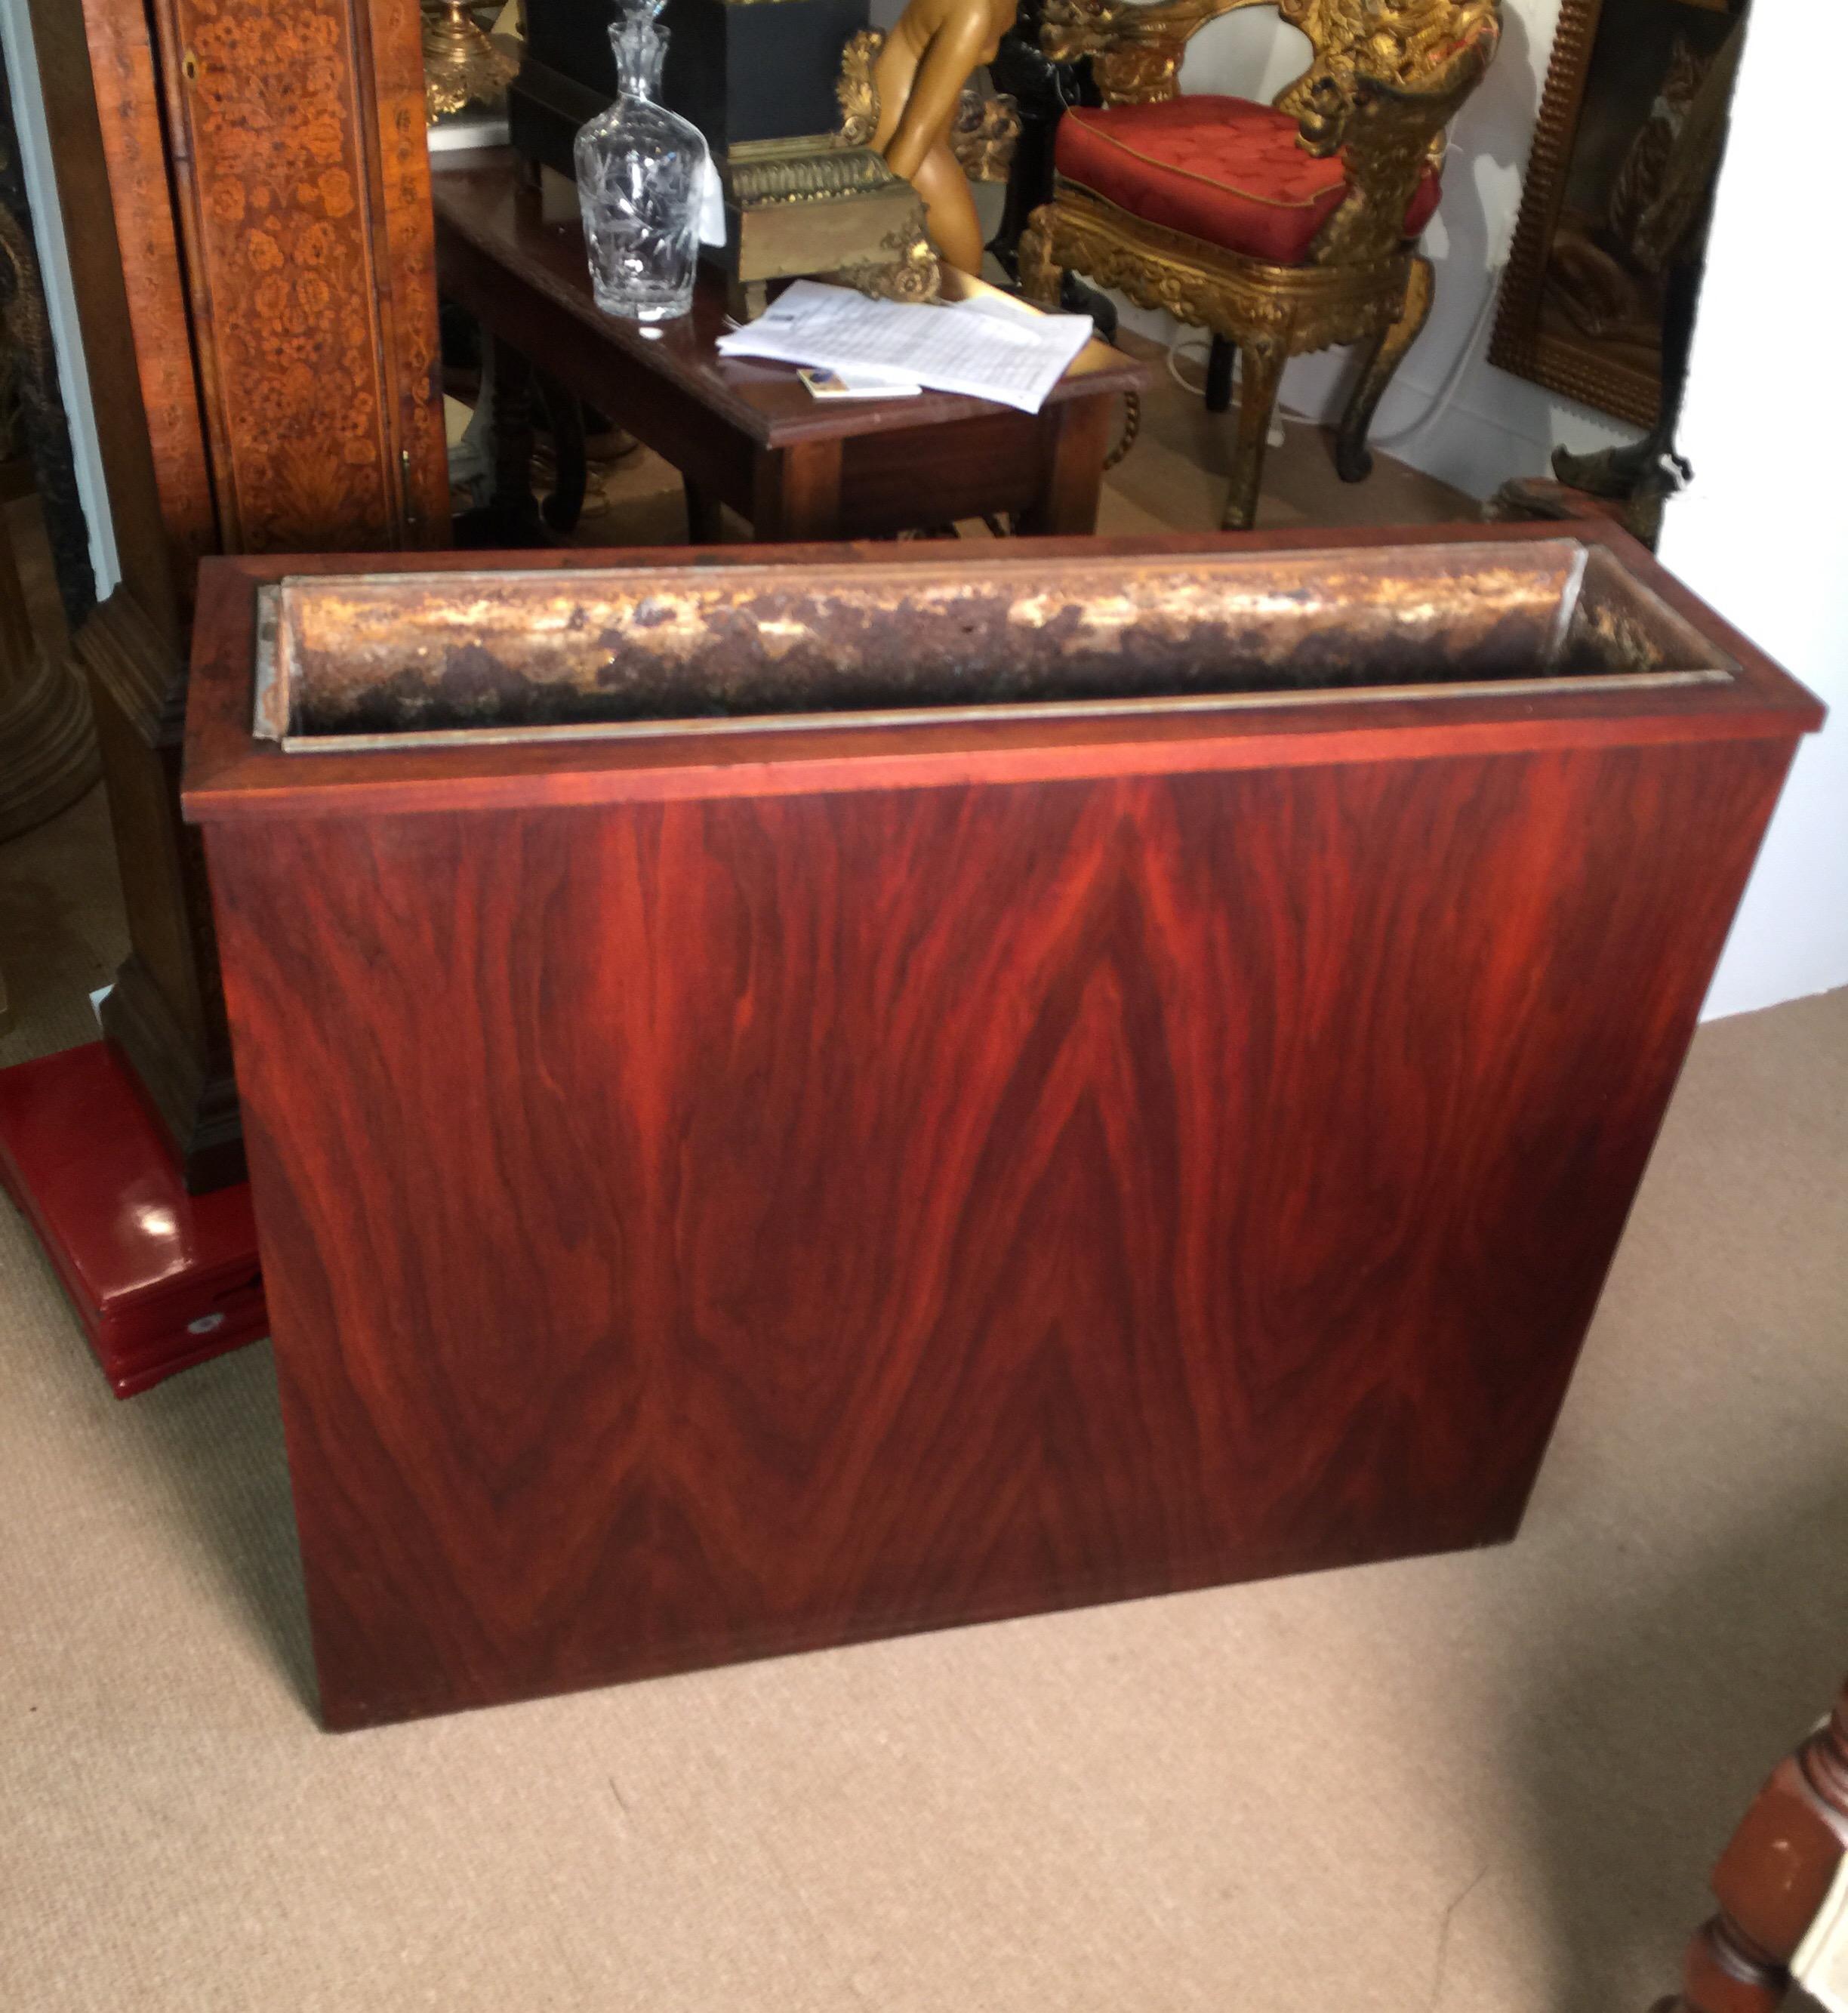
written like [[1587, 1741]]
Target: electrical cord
[[1461, 365], [1181, 344]]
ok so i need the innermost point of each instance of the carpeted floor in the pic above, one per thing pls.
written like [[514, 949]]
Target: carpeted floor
[[1477, 1783]]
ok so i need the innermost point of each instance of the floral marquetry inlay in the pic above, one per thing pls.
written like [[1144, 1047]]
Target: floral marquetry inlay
[[317, 319]]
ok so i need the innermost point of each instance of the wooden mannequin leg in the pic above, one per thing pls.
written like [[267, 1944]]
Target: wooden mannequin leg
[[1260, 373], [1352, 460], [1772, 1880]]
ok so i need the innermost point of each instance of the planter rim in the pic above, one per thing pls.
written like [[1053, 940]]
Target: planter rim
[[233, 769]]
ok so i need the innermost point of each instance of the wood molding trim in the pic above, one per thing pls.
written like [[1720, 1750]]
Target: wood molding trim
[[102, 109]]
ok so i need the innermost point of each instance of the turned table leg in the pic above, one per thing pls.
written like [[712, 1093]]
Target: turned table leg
[[1772, 1881], [513, 508]]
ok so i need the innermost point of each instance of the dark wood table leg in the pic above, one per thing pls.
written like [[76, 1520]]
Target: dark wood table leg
[[510, 517], [703, 522], [514, 502], [1076, 437], [570, 481], [1771, 1881], [798, 492]]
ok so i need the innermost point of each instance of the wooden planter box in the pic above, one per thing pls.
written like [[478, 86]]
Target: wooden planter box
[[800, 1094]]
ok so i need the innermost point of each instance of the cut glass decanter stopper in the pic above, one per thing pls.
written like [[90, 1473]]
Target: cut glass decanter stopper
[[641, 174]]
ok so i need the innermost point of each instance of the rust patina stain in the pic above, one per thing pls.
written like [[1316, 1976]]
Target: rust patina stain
[[402, 653]]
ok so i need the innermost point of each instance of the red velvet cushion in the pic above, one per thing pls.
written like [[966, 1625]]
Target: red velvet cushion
[[1222, 169]]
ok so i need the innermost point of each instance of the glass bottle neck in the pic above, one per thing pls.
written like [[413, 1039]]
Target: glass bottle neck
[[640, 43]]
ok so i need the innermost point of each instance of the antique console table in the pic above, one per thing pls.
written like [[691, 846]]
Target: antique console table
[[749, 435]]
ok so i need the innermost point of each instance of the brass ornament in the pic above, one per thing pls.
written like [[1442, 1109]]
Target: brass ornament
[[910, 272], [1136, 49], [1355, 41], [1132, 428], [761, 172], [855, 91], [461, 65], [984, 135]]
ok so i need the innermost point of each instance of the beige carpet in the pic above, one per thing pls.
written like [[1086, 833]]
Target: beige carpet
[[1478, 1784]]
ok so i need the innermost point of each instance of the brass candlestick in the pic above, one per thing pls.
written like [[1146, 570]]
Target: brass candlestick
[[461, 65]]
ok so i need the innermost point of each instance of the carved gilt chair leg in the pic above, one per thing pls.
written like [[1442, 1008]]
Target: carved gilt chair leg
[[1772, 1881], [1260, 375], [1220, 359], [1040, 275], [1353, 461]]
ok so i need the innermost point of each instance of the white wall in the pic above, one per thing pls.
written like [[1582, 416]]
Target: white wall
[[1762, 532], [48, 224]]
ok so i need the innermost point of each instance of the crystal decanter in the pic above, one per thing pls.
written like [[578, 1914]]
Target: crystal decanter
[[641, 175]]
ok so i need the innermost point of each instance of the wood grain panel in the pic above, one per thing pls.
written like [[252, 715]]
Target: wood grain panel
[[743, 1224]]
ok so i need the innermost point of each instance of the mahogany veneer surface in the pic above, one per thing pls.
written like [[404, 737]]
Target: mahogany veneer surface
[[722, 1203]]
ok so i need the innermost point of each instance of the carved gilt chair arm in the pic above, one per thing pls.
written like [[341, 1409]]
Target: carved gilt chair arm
[[1136, 49], [1387, 128]]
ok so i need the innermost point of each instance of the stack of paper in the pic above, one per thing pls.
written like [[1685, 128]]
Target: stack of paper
[[987, 347]]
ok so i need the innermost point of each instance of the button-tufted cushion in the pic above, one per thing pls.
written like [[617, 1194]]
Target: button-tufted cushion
[[1222, 169]]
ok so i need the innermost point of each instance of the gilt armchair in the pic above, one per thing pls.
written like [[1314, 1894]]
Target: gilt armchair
[[1281, 229]]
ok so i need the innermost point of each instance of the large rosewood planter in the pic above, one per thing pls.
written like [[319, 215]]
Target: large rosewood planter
[[794, 1095]]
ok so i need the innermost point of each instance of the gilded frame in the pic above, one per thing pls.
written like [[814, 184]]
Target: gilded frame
[[1520, 344]]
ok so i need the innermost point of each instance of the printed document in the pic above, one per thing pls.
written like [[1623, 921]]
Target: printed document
[[984, 348]]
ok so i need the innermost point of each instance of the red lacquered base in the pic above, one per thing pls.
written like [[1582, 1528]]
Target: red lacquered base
[[160, 1279]]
